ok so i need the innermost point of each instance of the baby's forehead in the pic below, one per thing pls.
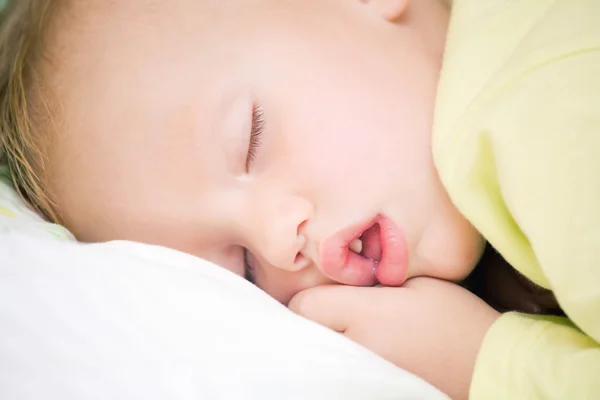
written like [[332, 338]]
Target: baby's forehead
[[127, 85], [148, 15], [119, 34]]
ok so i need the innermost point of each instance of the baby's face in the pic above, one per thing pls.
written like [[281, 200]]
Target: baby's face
[[287, 128]]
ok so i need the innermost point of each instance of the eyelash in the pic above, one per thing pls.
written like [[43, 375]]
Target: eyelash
[[256, 131], [258, 127], [248, 268]]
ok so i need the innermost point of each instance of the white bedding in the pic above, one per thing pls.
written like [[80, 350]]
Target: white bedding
[[128, 321]]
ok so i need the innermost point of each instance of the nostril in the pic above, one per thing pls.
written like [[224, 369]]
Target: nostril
[[299, 259], [301, 227]]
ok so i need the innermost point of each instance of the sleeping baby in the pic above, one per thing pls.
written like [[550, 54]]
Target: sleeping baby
[[351, 158]]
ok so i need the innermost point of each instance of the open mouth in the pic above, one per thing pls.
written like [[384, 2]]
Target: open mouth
[[383, 247], [366, 254], [368, 244]]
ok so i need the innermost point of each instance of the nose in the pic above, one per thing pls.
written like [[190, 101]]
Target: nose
[[283, 241]]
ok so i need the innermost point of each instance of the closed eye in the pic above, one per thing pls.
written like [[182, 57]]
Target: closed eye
[[249, 267], [256, 131]]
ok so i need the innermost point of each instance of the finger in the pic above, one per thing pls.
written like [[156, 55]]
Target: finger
[[334, 306]]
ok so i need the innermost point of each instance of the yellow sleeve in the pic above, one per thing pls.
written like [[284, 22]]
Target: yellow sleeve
[[533, 357], [544, 129]]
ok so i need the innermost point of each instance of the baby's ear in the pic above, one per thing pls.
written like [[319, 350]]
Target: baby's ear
[[391, 10]]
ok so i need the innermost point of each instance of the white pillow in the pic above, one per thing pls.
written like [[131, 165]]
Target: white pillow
[[128, 321]]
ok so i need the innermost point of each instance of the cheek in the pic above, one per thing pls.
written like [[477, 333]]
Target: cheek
[[350, 155], [351, 139]]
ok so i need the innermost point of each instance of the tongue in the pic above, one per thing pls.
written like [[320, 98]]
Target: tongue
[[372, 243]]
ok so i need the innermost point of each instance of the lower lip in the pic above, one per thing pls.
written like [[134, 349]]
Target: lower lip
[[393, 267]]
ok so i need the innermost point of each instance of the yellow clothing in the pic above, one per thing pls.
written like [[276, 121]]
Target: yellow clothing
[[517, 145]]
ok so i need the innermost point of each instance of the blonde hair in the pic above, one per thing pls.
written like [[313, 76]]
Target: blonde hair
[[24, 25]]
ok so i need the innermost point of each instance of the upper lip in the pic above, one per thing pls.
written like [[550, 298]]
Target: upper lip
[[353, 232], [334, 253]]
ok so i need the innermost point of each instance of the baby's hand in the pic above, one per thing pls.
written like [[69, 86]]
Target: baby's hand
[[431, 328]]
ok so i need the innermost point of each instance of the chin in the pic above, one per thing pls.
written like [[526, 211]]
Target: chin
[[455, 267], [461, 269]]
